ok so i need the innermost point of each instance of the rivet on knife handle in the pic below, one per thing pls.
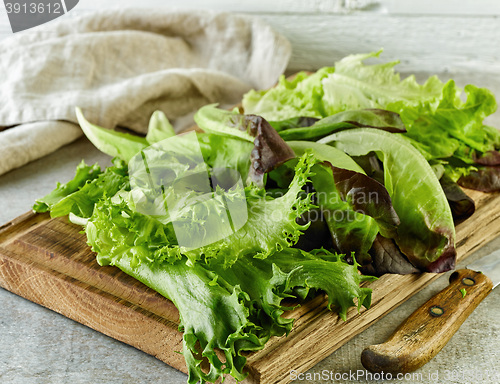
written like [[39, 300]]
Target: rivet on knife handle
[[420, 337]]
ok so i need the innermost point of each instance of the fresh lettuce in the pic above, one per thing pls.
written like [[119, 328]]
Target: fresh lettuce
[[349, 211], [300, 96], [113, 143], [81, 202], [159, 128], [270, 226], [229, 289], [269, 149], [353, 207], [84, 173], [368, 118], [237, 309], [439, 124], [426, 234]]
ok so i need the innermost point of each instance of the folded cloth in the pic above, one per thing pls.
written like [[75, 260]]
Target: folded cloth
[[120, 66]]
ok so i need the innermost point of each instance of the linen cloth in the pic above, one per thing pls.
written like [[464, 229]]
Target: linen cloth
[[120, 66]]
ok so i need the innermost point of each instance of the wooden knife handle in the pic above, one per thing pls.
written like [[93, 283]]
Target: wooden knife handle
[[420, 337]]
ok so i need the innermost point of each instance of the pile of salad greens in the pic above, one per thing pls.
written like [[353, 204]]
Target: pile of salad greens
[[323, 182]]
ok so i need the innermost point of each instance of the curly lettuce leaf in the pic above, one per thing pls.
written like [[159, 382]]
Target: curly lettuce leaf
[[355, 85], [300, 96], [271, 225], [81, 202], [443, 127], [236, 309], [84, 173]]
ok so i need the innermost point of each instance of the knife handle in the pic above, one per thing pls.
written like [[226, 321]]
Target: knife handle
[[422, 335]]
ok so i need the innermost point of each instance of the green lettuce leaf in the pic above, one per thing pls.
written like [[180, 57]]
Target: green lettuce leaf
[[324, 152], [293, 122], [269, 150], [368, 118], [300, 96], [444, 126], [159, 128], [234, 309], [354, 85], [426, 234], [440, 125], [81, 202], [113, 143], [84, 173]]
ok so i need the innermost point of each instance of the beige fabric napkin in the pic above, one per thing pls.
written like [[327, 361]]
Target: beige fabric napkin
[[120, 66]]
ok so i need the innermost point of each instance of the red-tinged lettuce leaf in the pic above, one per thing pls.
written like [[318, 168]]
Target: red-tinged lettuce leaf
[[426, 234], [369, 118], [355, 207], [485, 179], [367, 196], [347, 210], [462, 206], [487, 158], [387, 258], [269, 151]]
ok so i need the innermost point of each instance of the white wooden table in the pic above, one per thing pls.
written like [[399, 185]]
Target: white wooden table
[[454, 39]]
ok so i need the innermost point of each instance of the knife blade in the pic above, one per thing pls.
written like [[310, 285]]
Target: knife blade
[[427, 330]]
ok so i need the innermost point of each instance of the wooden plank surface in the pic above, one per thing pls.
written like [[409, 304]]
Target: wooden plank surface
[[48, 262], [446, 37]]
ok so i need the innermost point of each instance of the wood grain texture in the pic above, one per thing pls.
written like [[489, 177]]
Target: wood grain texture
[[427, 330], [48, 262]]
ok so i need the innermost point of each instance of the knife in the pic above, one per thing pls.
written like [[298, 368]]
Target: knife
[[422, 335]]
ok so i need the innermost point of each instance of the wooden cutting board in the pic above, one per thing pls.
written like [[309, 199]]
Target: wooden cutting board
[[48, 262]]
